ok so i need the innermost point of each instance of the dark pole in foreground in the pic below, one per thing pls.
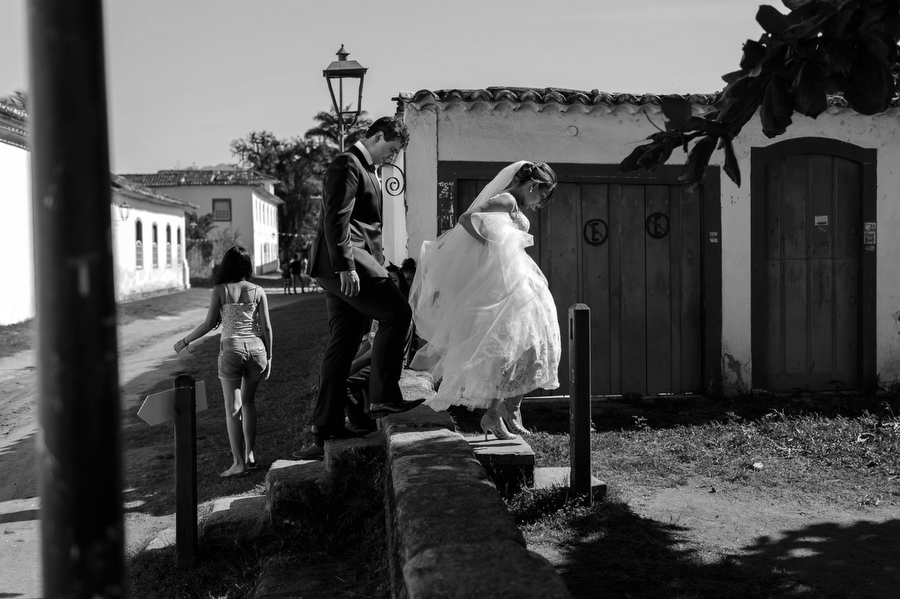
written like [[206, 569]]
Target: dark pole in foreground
[[78, 446], [185, 472], [580, 401]]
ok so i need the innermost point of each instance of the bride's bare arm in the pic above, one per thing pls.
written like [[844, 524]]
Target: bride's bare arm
[[503, 202]]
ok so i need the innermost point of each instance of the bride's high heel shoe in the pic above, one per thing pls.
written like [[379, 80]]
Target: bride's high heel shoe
[[513, 418], [494, 424]]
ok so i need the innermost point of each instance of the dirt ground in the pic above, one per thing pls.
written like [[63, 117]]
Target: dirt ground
[[146, 359], [852, 552], [812, 549]]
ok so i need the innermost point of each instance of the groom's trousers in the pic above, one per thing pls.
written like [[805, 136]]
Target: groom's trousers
[[379, 299]]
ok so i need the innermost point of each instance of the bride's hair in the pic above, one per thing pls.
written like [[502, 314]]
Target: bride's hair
[[540, 173]]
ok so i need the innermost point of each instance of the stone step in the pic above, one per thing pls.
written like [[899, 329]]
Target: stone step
[[293, 486], [510, 462]]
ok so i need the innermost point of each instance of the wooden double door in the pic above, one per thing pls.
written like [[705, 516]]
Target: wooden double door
[[814, 237], [642, 253]]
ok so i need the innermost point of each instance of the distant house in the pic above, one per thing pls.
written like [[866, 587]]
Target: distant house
[[15, 225], [148, 229], [149, 236], [786, 283], [242, 202]]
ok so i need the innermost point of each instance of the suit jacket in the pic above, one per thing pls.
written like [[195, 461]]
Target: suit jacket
[[348, 235]]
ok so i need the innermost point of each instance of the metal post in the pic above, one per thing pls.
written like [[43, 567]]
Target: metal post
[[340, 114], [185, 471], [580, 401], [78, 447]]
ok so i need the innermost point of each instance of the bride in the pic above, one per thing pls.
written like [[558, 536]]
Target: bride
[[484, 307]]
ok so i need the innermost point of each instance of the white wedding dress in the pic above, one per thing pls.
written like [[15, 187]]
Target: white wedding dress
[[485, 311]]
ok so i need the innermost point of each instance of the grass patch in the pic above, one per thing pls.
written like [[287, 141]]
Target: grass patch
[[348, 530]]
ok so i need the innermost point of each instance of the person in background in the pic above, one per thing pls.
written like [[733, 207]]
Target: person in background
[[408, 268], [286, 278], [245, 355], [296, 266]]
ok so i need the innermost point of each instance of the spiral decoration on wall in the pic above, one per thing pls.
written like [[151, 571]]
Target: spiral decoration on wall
[[395, 184]]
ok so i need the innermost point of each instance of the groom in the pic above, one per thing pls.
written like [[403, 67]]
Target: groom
[[347, 262]]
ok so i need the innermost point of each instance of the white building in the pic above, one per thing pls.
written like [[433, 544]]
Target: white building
[[147, 242], [788, 282], [241, 201]]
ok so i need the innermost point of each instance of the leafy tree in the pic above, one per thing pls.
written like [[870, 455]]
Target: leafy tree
[[298, 163], [820, 48], [197, 234], [327, 128]]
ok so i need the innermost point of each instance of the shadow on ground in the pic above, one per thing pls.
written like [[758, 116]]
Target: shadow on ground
[[616, 553]]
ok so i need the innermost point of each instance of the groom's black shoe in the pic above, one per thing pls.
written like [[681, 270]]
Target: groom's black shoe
[[378, 410]]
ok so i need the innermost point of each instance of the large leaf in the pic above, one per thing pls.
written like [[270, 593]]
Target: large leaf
[[870, 85], [809, 93], [677, 110], [808, 20], [630, 163], [890, 24], [658, 153], [771, 20], [731, 167], [838, 55], [695, 168], [739, 103], [839, 24], [777, 107], [753, 54], [882, 46]]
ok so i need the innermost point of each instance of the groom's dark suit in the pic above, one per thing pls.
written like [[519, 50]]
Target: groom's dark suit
[[349, 237]]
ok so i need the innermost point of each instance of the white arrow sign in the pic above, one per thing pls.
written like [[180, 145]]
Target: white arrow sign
[[160, 407]]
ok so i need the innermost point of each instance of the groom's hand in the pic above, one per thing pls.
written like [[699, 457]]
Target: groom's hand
[[349, 283]]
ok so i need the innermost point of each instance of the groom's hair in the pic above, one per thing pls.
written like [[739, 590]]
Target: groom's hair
[[392, 128]]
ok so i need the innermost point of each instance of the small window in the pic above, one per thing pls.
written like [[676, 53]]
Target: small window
[[178, 246], [168, 246], [155, 247], [138, 245], [221, 209]]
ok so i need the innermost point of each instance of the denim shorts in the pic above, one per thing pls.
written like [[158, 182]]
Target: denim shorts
[[242, 358]]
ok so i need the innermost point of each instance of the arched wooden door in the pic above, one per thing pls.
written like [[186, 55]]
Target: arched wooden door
[[813, 264]]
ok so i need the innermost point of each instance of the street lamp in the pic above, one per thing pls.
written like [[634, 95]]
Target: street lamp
[[124, 210], [353, 73]]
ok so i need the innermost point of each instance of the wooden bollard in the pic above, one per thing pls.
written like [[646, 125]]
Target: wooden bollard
[[580, 402], [185, 472]]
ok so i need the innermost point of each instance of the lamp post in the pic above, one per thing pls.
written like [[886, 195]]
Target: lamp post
[[353, 73]]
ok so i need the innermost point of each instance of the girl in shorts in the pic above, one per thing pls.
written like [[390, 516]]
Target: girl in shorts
[[245, 356]]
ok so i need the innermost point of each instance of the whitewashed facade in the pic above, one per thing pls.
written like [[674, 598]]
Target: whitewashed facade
[[242, 202], [594, 131], [134, 270]]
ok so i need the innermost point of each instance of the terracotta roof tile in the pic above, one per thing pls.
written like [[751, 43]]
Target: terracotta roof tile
[[565, 97], [171, 178], [130, 188]]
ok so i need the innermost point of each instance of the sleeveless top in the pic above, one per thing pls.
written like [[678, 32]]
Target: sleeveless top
[[520, 220], [239, 318]]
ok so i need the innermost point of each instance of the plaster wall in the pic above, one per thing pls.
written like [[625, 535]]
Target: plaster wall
[[16, 238], [265, 234], [130, 280], [246, 219], [505, 133]]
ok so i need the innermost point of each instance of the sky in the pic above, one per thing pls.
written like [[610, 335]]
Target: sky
[[186, 77]]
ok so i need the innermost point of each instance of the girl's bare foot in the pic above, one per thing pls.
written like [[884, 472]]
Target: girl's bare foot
[[235, 471]]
